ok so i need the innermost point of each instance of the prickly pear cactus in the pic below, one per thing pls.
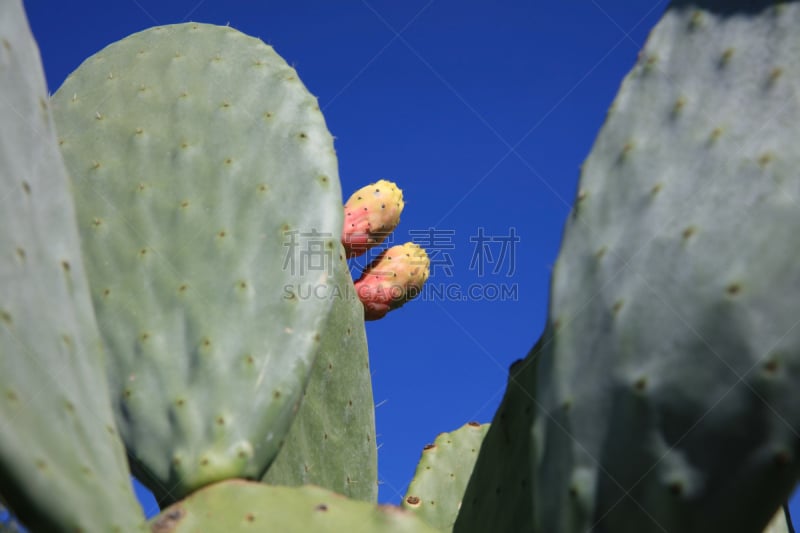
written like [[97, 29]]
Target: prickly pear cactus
[[393, 278], [332, 440], [442, 474], [663, 394], [207, 192], [62, 464], [233, 506], [370, 215]]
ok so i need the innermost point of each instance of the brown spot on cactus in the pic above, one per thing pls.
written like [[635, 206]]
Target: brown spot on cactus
[[169, 519], [715, 134], [370, 215], [771, 366], [726, 57], [321, 508], [774, 75], [600, 252], [413, 501], [650, 62], [627, 148], [696, 20], [474, 424], [428, 447], [26, 187], [678, 106], [733, 289]]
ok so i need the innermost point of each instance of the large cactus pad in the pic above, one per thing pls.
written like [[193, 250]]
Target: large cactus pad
[[62, 464], [208, 194], [664, 395]]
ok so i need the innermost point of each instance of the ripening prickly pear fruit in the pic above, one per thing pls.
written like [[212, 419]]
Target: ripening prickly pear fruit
[[371, 214], [393, 278]]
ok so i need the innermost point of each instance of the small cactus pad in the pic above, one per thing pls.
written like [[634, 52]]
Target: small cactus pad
[[332, 440], [438, 486], [208, 203], [664, 394], [239, 506], [62, 463]]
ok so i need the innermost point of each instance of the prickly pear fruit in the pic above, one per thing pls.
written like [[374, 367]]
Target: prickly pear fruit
[[370, 215], [393, 278]]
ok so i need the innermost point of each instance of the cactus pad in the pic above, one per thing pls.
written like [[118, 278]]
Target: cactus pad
[[332, 440], [208, 197], [438, 486], [62, 463], [235, 505], [664, 394]]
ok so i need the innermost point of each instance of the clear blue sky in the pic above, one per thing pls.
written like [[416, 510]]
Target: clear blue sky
[[482, 113]]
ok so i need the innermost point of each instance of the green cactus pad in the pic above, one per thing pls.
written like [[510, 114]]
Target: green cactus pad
[[62, 463], [332, 440], [235, 505], [208, 196], [498, 496], [665, 392], [438, 486]]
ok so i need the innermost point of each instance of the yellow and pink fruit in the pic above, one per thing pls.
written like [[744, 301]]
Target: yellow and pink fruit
[[393, 278], [370, 215]]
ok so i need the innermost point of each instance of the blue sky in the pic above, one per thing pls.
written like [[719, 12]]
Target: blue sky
[[482, 113]]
